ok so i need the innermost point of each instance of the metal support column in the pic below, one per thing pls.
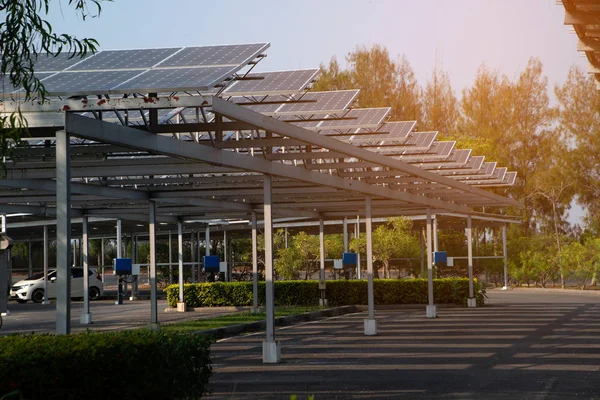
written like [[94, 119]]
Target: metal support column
[[170, 259], [86, 317], [422, 254], [119, 250], [431, 311], [370, 323], [102, 257], [255, 308], [227, 272], [270, 347], [46, 301], [322, 283], [358, 276], [505, 256], [471, 302], [153, 291], [181, 307], [135, 259], [345, 234], [63, 233], [192, 256], [435, 233]]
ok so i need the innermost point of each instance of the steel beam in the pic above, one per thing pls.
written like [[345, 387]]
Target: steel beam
[[238, 113], [115, 134]]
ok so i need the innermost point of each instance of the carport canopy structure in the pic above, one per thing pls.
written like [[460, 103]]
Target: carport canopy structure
[[192, 135]]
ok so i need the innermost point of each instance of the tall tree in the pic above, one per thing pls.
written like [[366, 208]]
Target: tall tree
[[382, 81], [579, 103], [440, 107]]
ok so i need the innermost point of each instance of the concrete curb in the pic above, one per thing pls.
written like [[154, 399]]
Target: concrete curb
[[233, 330]]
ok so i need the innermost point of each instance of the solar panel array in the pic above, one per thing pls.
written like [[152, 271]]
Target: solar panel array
[[281, 94], [143, 70], [269, 83]]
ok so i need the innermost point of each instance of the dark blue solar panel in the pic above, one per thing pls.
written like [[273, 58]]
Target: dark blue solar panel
[[79, 83], [238, 54], [62, 61], [125, 59], [175, 79]]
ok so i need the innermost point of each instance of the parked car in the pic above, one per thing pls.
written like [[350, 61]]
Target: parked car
[[32, 288]]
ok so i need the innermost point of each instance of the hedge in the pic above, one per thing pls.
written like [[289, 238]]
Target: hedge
[[338, 293], [139, 364]]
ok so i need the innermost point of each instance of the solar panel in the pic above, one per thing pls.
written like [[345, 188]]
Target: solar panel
[[237, 54], [45, 63], [280, 82], [390, 133], [357, 118], [486, 171], [82, 83], [174, 79], [7, 88], [124, 59], [322, 103], [143, 70], [472, 166]]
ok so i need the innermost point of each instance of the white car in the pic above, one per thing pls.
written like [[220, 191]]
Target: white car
[[32, 288]]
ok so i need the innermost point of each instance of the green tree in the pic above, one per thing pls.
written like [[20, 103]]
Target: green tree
[[393, 239]]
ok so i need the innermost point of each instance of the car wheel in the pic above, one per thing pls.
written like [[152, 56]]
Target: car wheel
[[93, 293], [37, 296], [21, 301]]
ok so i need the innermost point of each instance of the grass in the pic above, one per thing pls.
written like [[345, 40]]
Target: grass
[[233, 319]]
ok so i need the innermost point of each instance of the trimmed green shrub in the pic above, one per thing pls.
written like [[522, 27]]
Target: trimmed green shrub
[[339, 293], [139, 364]]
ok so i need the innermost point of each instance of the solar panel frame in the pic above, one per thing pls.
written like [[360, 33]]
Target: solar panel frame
[[325, 103], [273, 83]]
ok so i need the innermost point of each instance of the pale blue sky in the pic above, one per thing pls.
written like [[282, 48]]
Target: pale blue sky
[[460, 34]]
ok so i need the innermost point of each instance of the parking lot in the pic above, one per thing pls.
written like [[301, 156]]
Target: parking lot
[[525, 344], [39, 318]]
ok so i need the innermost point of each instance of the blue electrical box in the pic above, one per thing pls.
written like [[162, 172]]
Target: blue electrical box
[[349, 260], [440, 257], [211, 264], [122, 266]]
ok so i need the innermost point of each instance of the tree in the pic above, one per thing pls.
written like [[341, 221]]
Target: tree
[[24, 36], [579, 120], [440, 107], [382, 81], [390, 240]]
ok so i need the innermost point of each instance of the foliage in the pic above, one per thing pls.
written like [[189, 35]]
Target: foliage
[[338, 293], [24, 36], [391, 240], [77, 366]]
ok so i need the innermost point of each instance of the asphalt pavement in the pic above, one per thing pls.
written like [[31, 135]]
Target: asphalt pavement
[[524, 344]]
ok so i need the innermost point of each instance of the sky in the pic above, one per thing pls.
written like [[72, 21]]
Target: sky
[[460, 35]]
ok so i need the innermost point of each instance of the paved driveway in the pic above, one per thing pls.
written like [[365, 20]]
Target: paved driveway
[[525, 344], [39, 318]]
